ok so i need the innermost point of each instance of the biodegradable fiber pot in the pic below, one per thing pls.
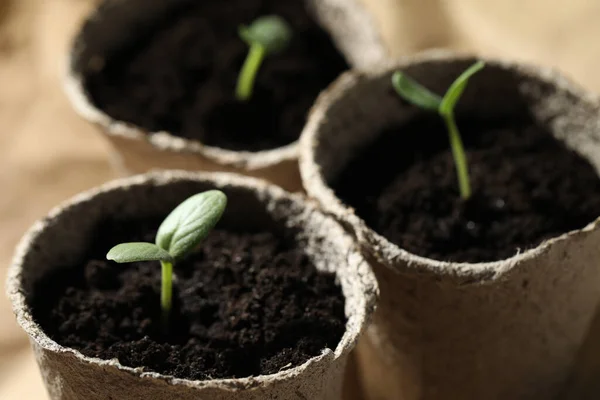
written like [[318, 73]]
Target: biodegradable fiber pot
[[507, 329], [61, 237], [119, 22]]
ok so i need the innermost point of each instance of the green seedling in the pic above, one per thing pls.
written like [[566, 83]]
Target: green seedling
[[265, 36], [420, 96], [186, 226]]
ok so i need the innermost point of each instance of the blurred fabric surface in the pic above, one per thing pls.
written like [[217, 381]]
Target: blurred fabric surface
[[47, 153]]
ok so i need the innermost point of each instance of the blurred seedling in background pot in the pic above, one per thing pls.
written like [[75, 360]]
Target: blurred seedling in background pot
[[265, 36], [420, 96], [183, 229]]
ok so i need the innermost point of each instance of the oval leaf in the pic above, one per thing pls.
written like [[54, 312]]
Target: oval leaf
[[190, 222], [272, 32], [138, 251], [458, 87], [414, 93]]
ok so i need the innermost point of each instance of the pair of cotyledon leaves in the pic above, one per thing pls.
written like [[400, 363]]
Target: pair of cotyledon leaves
[[271, 32], [422, 97], [188, 224], [265, 36]]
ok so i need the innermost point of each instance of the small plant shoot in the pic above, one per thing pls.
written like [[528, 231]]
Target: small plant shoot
[[420, 96], [186, 226], [265, 36]]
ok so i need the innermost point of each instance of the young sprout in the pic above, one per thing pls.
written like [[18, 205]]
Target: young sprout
[[266, 35], [188, 224], [422, 97]]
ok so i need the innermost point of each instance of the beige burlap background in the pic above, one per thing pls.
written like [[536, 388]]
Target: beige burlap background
[[47, 154]]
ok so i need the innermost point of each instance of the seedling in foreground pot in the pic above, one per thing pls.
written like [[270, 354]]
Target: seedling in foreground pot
[[266, 35], [186, 226], [422, 97]]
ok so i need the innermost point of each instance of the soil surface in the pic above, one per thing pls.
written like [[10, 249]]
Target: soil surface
[[527, 187], [245, 304], [181, 77]]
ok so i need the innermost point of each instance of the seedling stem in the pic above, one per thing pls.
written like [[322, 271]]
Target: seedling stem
[[460, 158], [245, 84], [166, 292]]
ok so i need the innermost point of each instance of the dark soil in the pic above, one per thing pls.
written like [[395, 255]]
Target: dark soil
[[181, 78], [244, 304], [527, 187]]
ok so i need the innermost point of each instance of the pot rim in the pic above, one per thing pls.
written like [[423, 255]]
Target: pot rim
[[362, 277], [376, 245], [164, 140]]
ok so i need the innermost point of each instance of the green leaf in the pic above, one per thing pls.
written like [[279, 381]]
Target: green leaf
[[190, 222], [272, 32], [138, 251], [414, 93], [458, 87]]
